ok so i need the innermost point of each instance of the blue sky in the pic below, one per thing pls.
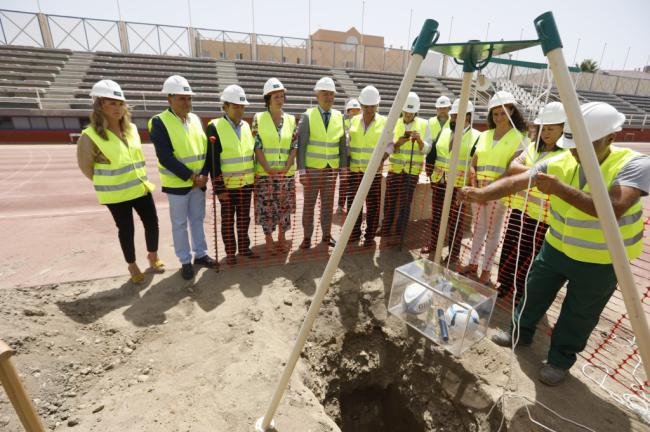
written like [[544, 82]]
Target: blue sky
[[597, 22]]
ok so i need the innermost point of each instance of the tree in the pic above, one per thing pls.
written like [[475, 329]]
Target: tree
[[588, 65]]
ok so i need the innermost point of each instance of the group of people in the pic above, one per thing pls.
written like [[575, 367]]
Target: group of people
[[552, 234]]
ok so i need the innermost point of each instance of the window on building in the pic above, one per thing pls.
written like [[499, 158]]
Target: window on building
[[38, 122], [71, 123], [6, 123], [222, 55], [298, 60], [349, 64], [55, 123], [239, 56]]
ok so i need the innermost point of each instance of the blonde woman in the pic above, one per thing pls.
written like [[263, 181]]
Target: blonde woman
[[109, 153]]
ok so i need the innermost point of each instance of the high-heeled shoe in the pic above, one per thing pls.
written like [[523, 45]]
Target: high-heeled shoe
[[158, 266]]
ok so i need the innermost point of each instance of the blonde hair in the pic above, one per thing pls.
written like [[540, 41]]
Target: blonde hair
[[100, 124]]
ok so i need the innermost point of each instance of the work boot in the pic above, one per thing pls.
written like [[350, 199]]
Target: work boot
[[187, 271], [206, 261], [504, 339], [552, 375]]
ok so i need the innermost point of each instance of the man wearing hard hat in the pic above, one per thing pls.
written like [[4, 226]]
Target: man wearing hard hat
[[352, 108], [365, 131], [575, 249], [440, 121], [442, 151], [411, 143], [437, 124], [322, 153], [231, 150], [177, 135]]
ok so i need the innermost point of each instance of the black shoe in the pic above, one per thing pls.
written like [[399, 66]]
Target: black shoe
[[205, 261], [329, 241], [187, 271], [504, 339], [369, 243], [231, 259], [306, 244], [249, 254]]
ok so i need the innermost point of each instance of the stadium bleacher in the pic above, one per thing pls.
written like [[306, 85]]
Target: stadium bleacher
[[38, 81]]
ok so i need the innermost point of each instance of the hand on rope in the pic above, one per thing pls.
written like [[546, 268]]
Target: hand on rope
[[547, 184]]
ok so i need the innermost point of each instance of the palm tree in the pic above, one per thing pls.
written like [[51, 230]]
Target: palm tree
[[588, 65]]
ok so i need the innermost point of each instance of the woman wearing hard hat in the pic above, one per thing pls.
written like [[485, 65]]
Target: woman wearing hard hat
[[442, 149], [231, 149], [495, 149], [529, 217], [365, 131], [352, 108], [411, 142], [275, 156], [110, 155]]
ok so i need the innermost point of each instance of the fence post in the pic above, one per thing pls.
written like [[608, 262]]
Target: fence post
[[46, 34], [124, 36]]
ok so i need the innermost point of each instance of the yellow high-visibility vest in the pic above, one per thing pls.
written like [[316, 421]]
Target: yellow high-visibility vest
[[237, 161], [538, 202], [363, 142], [579, 235], [124, 178], [323, 145], [276, 147], [408, 158], [436, 128], [443, 156], [190, 147]]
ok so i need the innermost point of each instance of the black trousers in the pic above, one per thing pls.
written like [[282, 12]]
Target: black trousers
[[373, 201], [399, 194], [456, 214], [508, 258], [238, 205], [123, 215]]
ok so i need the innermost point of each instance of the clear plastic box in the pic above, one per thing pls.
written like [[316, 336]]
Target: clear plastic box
[[449, 309]]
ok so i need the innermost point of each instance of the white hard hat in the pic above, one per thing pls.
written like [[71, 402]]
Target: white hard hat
[[352, 104], [501, 97], [326, 84], [412, 104], [601, 119], [107, 89], [273, 84], [369, 96], [552, 113], [177, 85], [443, 102], [456, 104], [234, 94]]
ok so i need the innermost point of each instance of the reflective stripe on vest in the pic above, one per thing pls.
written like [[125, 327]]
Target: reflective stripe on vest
[[276, 147], [124, 178], [236, 159], [323, 145], [408, 158], [579, 235], [363, 142], [443, 156], [537, 205], [190, 147], [492, 162]]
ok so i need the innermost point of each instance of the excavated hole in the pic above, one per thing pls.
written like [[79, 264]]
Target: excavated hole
[[378, 377]]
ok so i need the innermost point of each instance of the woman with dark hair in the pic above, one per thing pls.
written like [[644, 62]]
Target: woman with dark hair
[[275, 155], [495, 149], [530, 219], [109, 153]]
